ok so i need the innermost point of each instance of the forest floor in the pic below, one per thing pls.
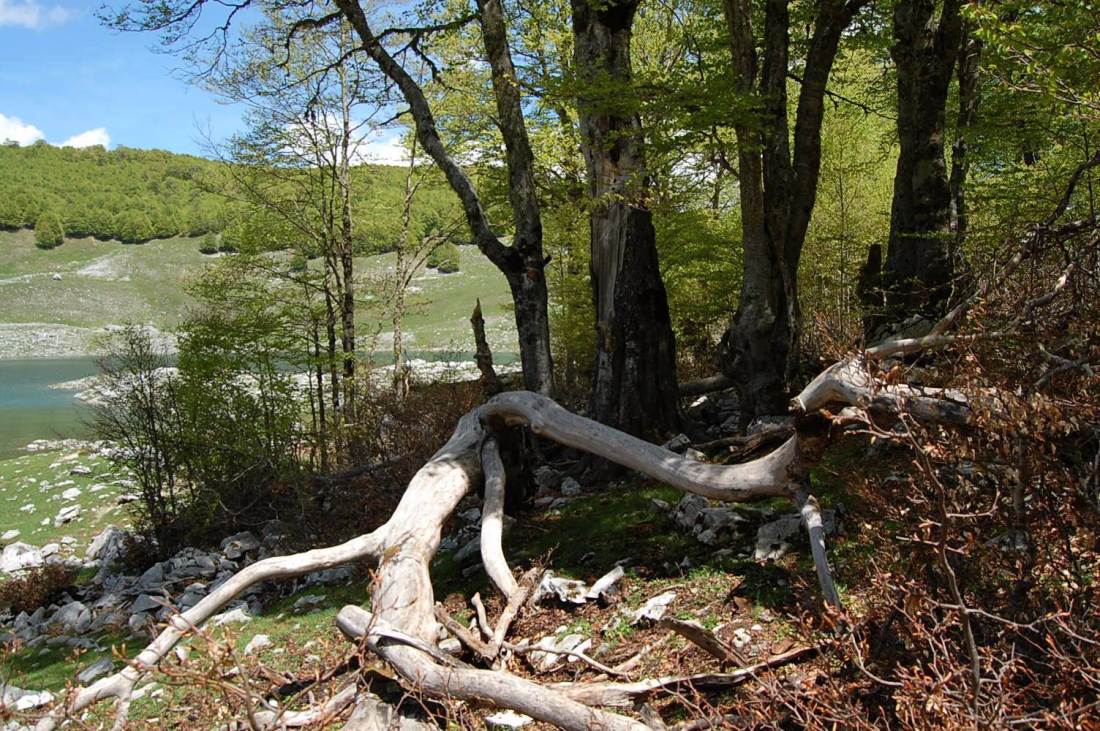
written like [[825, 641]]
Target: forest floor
[[758, 606], [57, 302]]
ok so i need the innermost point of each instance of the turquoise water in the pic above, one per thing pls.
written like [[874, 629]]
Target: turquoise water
[[30, 410]]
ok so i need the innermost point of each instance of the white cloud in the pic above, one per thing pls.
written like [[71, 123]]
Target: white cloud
[[385, 149], [15, 130], [97, 136], [32, 14]]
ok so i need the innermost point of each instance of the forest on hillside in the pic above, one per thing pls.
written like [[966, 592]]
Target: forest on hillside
[[133, 196], [832, 257]]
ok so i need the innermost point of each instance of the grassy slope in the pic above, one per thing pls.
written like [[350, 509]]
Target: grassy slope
[[39, 479], [110, 283]]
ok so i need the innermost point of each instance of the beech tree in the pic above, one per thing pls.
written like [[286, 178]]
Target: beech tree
[[634, 384], [778, 175], [928, 202], [49, 231], [522, 261]]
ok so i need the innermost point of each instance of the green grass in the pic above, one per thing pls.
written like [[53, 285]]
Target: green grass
[[21, 483], [104, 283]]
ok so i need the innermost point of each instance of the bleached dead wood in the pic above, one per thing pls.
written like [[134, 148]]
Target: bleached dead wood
[[627, 694], [496, 687], [492, 520], [402, 626], [705, 639]]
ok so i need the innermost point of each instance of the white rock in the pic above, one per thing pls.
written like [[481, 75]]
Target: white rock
[[66, 515], [80, 470], [240, 614], [19, 556], [257, 643], [506, 720], [566, 591], [654, 609], [71, 494], [10, 535], [18, 699], [570, 487]]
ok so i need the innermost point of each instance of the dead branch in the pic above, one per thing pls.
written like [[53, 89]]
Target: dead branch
[[627, 694], [704, 639]]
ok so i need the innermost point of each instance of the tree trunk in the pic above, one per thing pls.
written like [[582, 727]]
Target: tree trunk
[[970, 53], [778, 186], [634, 387], [521, 263], [528, 280], [347, 262], [919, 270]]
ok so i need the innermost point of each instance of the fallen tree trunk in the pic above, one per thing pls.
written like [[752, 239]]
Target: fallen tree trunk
[[402, 625]]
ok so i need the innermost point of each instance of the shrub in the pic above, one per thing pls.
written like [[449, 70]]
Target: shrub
[[445, 258], [133, 227], [49, 231], [35, 587], [209, 244]]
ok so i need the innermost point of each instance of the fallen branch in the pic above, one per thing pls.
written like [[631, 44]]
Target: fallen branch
[[497, 687], [627, 694], [705, 639]]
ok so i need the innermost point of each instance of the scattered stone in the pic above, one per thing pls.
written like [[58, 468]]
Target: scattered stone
[[96, 670], [238, 545], [71, 494], [126, 497], [80, 470], [566, 591], [10, 535], [67, 540], [570, 487], [307, 603], [239, 614], [468, 551], [547, 478], [607, 587], [257, 643], [677, 444], [138, 622], [108, 547], [504, 720], [19, 556], [654, 609], [774, 539], [66, 515], [17, 699], [473, 515], [146, 603], [550, 649], [55, 277]]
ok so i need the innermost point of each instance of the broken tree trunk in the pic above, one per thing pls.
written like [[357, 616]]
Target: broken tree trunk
[[483, 356]]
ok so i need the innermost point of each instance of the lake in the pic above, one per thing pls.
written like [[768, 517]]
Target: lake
[[30, 409]]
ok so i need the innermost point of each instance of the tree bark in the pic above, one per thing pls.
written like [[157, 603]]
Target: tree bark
[[778, 187], [522, 263], [970, 53], [634, 385], [919, 270]]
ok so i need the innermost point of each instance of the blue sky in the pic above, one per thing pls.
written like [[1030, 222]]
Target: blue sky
[[67, 79]]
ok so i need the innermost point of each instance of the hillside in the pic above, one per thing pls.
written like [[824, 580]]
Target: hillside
[[135, 196], [54, 302]]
